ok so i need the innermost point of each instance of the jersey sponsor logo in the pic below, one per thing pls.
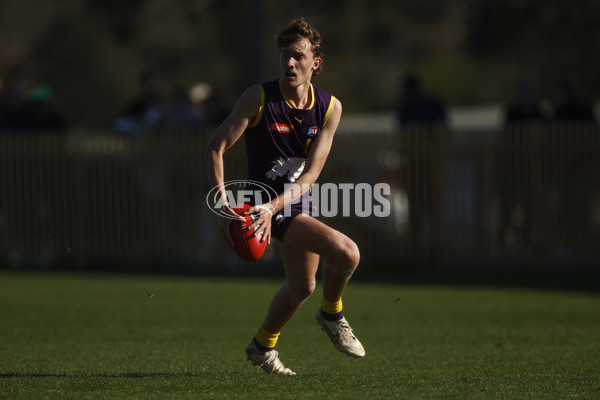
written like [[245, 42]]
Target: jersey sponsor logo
[[313, 131], [281, 128]]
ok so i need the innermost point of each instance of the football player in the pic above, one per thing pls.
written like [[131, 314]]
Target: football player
[[289, 124]]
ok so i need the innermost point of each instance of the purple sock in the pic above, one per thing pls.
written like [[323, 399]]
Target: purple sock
[[261, 347], [332, 317]]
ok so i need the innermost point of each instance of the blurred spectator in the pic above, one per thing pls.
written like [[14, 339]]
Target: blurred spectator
[[145, 111], [207, 103], [38, 114], [24, 107], [200, 95], [188, 109], [570, 103], [181, 114], [418, 107], [195, 109], [215, 108], [524, 106]]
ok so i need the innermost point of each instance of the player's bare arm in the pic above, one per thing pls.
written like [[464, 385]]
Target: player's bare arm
[[228, 133]]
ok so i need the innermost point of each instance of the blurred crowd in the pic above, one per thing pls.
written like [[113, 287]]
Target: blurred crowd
[[29, 106], [192, 108], [569, 103]]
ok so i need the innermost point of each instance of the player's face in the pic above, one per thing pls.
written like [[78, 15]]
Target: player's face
[[297, 63]]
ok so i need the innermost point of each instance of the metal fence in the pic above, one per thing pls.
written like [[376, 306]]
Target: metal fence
[[528, 196]]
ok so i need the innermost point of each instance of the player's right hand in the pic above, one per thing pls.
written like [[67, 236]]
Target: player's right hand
[[262, 222]]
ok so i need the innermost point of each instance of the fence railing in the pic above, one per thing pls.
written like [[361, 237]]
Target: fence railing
[[527, 195]]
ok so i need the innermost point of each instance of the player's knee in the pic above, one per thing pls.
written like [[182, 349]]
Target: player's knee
[[300, 291], [353, 255], [349, 256]]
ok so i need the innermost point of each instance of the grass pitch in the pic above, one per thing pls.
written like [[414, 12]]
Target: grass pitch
[[163, 337]]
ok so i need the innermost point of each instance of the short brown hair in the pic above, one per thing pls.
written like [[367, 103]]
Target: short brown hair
[[300, 29]]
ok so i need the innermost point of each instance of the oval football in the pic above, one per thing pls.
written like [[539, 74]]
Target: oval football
[[246, 244]]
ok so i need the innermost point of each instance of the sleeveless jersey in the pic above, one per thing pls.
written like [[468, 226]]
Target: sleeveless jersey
[[279, 138]]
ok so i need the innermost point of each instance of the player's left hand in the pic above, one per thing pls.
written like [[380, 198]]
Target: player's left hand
[[262, 222]]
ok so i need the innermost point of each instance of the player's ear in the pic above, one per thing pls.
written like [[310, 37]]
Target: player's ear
[[317, 63]]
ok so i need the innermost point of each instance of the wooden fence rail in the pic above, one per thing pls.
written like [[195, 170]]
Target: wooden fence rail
[[528, 195]]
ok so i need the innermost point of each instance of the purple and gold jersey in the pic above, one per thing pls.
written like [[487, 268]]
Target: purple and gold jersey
[[279, 138]]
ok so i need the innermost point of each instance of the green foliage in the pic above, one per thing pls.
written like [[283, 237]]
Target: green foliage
[[115, 336]]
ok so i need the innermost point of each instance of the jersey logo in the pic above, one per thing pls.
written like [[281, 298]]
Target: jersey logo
[[313, 131], [281, 128]]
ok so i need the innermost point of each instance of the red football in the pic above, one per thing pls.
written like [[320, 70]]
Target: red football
[[246, 244]]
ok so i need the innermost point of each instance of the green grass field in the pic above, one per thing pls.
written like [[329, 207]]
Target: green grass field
[[160, 337]]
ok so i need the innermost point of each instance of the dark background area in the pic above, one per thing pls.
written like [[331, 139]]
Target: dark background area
[[106, 108], [91, 53]]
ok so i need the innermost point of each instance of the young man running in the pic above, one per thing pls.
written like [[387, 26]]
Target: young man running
[[289, 125]]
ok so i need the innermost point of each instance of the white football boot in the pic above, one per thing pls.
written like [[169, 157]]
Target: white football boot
[[341, 336], [268, 361]]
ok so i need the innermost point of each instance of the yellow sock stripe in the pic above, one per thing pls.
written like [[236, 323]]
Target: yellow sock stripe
[[266, 338], [331, 307]]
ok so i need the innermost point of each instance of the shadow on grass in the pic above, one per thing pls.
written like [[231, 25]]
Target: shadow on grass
[[93, 375], [577, 278]]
